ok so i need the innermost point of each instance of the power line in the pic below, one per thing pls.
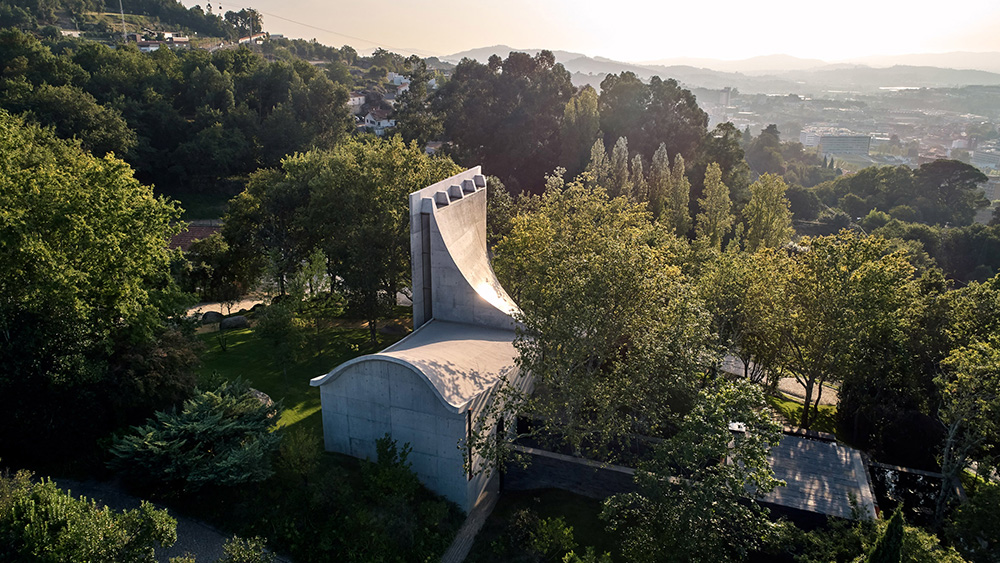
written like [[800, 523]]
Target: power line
[[377, 43]]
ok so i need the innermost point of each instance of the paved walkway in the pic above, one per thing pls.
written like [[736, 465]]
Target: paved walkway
[[466, 535], [787, 385], [193, 536]]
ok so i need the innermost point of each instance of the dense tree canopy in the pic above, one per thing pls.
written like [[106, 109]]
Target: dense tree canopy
[[85, 285], [506, 115]]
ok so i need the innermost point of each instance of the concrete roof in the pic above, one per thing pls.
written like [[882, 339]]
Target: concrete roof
[[459, 361], [821, 477]]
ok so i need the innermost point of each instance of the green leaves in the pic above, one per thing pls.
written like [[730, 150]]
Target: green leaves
[[222, 437], [40, 522]]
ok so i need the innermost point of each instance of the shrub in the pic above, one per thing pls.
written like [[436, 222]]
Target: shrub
[[222, 437], [40, 522]]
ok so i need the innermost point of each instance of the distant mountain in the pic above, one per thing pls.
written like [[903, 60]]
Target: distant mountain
[[482, 54], [989, 62], [773, 74], [766, 64]]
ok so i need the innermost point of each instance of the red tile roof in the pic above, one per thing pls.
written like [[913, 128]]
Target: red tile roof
[[184, 240]]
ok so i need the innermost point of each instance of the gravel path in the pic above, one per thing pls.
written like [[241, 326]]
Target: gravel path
[[787, 385], [193, 536]]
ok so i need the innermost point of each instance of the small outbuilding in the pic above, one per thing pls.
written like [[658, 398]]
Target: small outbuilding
[[430, 388]]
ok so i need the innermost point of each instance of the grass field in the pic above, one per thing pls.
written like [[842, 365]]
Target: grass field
[[825, 420], [250, 358]]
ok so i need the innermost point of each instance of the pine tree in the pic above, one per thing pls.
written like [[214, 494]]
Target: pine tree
[[680, 196], [889, 547], [716, 217]]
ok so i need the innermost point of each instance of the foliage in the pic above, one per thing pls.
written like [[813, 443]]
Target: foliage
[[349, 202], [889, 547], [506, 114], [767, 217], [609, 319], [40, 522], [974, 526], [937, 193], [250, 550], [716, 217], [970, 389], [189, 120], [85, 284], [223, 437], [690, 505], [845, 301], [651, 114]]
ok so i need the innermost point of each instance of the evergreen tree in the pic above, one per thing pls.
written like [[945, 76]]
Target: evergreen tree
[[889, 547], [716, 218]]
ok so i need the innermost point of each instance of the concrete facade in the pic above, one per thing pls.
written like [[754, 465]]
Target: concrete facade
[[431, 388]]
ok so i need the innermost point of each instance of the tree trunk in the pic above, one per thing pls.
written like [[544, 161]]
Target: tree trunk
[[804, 422]]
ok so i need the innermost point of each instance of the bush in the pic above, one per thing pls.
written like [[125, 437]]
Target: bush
[[40, 522], [223, 437]]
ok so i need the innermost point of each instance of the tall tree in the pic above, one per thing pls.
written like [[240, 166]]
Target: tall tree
[[640, 187], [85, 285], [580, 127], [506, 116], [767, 215], [609, 320], [680, 193], [716, 218], [846, 294], [660, 183], [619, 182], [599, 167]]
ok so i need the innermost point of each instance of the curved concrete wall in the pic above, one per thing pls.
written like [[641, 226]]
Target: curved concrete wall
[[452, 276]]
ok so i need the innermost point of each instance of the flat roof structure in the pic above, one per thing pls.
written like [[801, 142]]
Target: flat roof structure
[[821, 477]]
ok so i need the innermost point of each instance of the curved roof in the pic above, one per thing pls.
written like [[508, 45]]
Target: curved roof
[[458, 361]]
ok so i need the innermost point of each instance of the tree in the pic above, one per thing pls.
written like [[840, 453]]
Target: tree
[[889, 547], [767, 216], [680, 194], [40, 522], [716, 218], [970, 390], [690, 504], [223, 437], [847, 296], [610, 323], [414, 119], [86, 282], [619, 183], [660, 183], [953, 189], [506, 116], [580, 128], [598, 167]]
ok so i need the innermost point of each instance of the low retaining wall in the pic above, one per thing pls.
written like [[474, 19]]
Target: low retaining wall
[[549, 470]]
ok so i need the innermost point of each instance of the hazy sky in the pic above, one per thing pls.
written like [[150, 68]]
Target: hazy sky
[[634, 30]]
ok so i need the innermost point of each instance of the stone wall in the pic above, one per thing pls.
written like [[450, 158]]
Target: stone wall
[[550, 470]]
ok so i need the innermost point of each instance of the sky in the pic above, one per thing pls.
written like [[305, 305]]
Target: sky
[[634, 30]]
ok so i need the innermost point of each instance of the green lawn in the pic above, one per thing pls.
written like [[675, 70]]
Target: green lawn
[[824, 421], [250, 358]]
